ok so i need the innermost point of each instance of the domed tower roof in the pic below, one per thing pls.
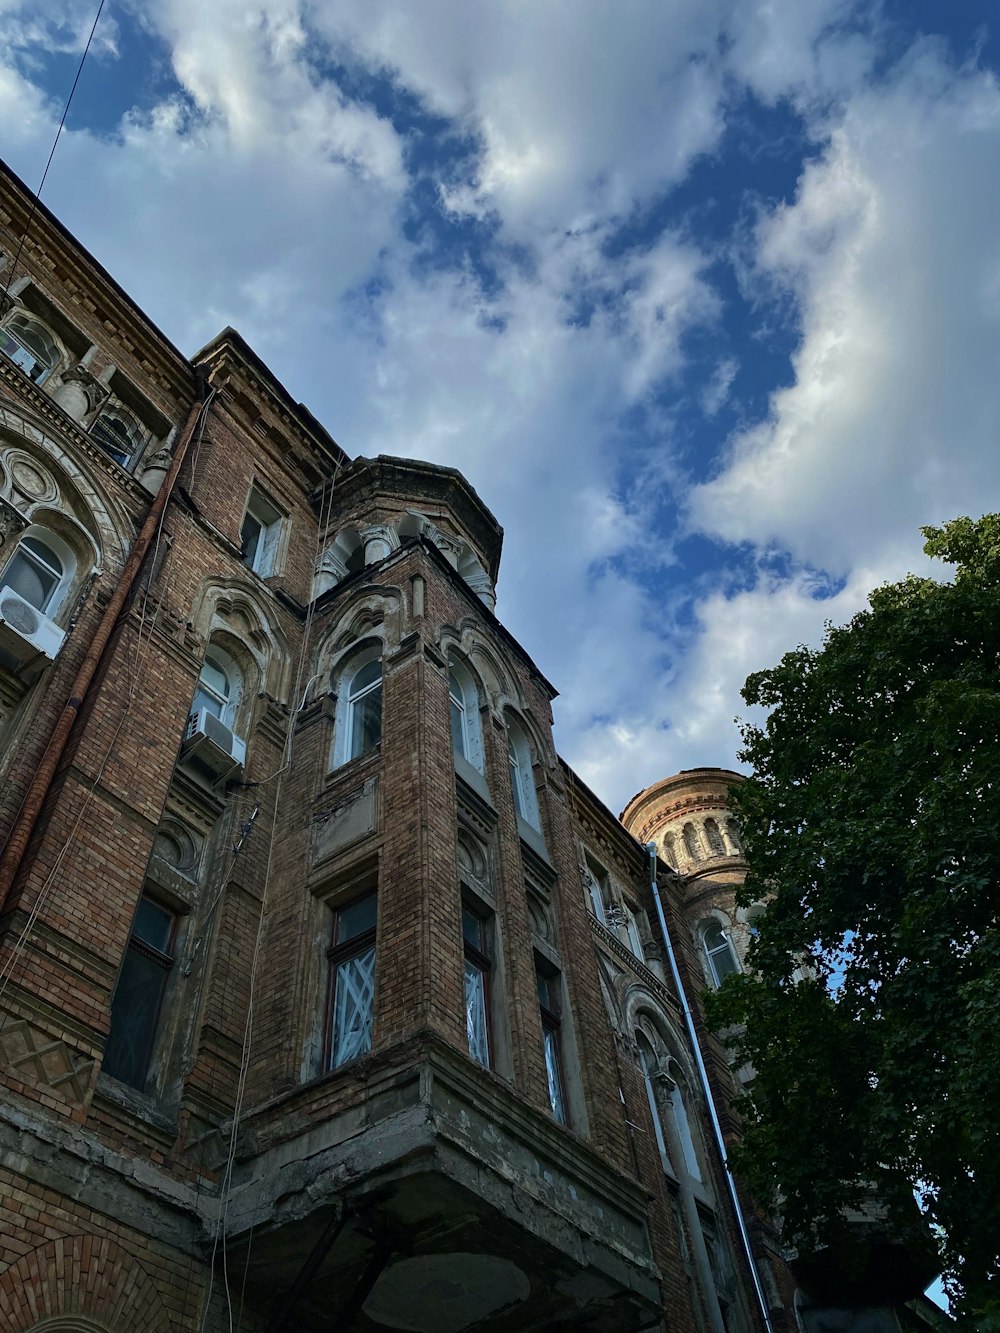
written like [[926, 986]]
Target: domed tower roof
[[687, 816]]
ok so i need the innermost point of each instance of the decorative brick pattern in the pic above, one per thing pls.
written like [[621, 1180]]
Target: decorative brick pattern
[[75, 1278]]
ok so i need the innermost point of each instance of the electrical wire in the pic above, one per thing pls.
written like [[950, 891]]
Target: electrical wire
[[52, 151], [225, 1191]]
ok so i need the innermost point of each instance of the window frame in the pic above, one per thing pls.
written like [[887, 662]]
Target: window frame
[[262, 510], [631, 924], [458, 716], [600, 881], [21, 317], [166, 960], [23, 554], [339, 953], [521, 770], [61, 591], [725, 945], [479, 954], [134, 433], [355, 748], [549, 985]]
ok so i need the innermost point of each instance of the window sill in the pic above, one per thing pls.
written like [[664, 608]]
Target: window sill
[[144, 1106]]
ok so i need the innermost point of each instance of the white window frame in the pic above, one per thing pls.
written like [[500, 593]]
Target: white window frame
[[64, 557], [632, 931], [29, 322], [262, 510], [599, 888], [347, 700], [207, 696], [725, 944], [521, 775], [463, 695]]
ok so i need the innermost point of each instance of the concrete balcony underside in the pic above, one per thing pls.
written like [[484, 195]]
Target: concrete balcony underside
[[440, 1202]]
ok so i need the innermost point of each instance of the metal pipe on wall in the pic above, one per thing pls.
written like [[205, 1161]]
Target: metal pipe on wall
[[38, 788], [707, 1090]]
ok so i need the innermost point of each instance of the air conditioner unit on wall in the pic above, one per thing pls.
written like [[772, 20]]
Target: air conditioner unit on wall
[[27, 634], [211, 742]]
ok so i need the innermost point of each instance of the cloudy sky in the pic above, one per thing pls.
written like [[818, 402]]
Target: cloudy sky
[[702, 295]]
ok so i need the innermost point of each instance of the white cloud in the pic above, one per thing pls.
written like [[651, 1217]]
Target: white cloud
[[264, 196], [890, 252]]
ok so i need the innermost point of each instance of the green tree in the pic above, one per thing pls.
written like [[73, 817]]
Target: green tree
[[872, 825]]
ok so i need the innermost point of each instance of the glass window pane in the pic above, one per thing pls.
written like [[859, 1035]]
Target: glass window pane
[[683, 1132], [472, 929], [134, 1013], [368, 674], [554, 1074], [44, 554], [366, 722], [250, 534], [355, 919], [515, 778], [29, 577], [214, 678], [475, 1013], [153, 924], [458, 728], [353, 1007]]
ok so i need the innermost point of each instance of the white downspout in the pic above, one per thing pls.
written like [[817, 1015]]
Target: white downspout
[[707, 1090]]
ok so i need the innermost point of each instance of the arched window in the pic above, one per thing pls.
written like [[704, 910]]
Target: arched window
[[670, 849], [719, 952], [714, 835], [664, 1092], [466, 735], [119, 432], [648, 1065], [459, 721], [364, 709], [522, 781], [215, 687], [733, 834], [35, 572], [30, 346], [692, 842]]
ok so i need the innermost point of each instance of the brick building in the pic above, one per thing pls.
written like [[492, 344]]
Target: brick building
[[330, 997]]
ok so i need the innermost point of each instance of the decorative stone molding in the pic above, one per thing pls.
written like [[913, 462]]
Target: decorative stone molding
[[12, 521], [379, 541], [331, 569], [154, 469], [80, 392]]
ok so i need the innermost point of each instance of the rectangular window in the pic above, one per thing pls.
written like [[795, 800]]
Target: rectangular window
[[352, 981], [632, 930], [478, 965], [550, 1005], [259, 534], [135, 1009], [598, 888]]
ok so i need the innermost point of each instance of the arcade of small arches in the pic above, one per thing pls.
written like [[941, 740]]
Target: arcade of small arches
[[701, 839], [354, 549]]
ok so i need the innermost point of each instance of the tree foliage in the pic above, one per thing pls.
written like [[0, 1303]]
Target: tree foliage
[[872, 826]]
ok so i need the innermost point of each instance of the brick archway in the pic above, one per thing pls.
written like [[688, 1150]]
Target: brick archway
[[80, 1284]]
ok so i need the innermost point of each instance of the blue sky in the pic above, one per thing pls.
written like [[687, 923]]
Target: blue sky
[[702, 295]]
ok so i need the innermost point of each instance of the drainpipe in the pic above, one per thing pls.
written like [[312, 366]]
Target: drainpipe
[[707, 1090], [41, 781]]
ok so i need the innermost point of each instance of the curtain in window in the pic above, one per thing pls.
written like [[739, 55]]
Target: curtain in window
[[475, 1013], [553, 1073]]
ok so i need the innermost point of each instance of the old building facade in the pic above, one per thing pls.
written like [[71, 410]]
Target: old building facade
[[329, 996]]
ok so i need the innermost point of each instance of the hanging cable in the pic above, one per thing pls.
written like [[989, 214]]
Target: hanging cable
[[52, 150]]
